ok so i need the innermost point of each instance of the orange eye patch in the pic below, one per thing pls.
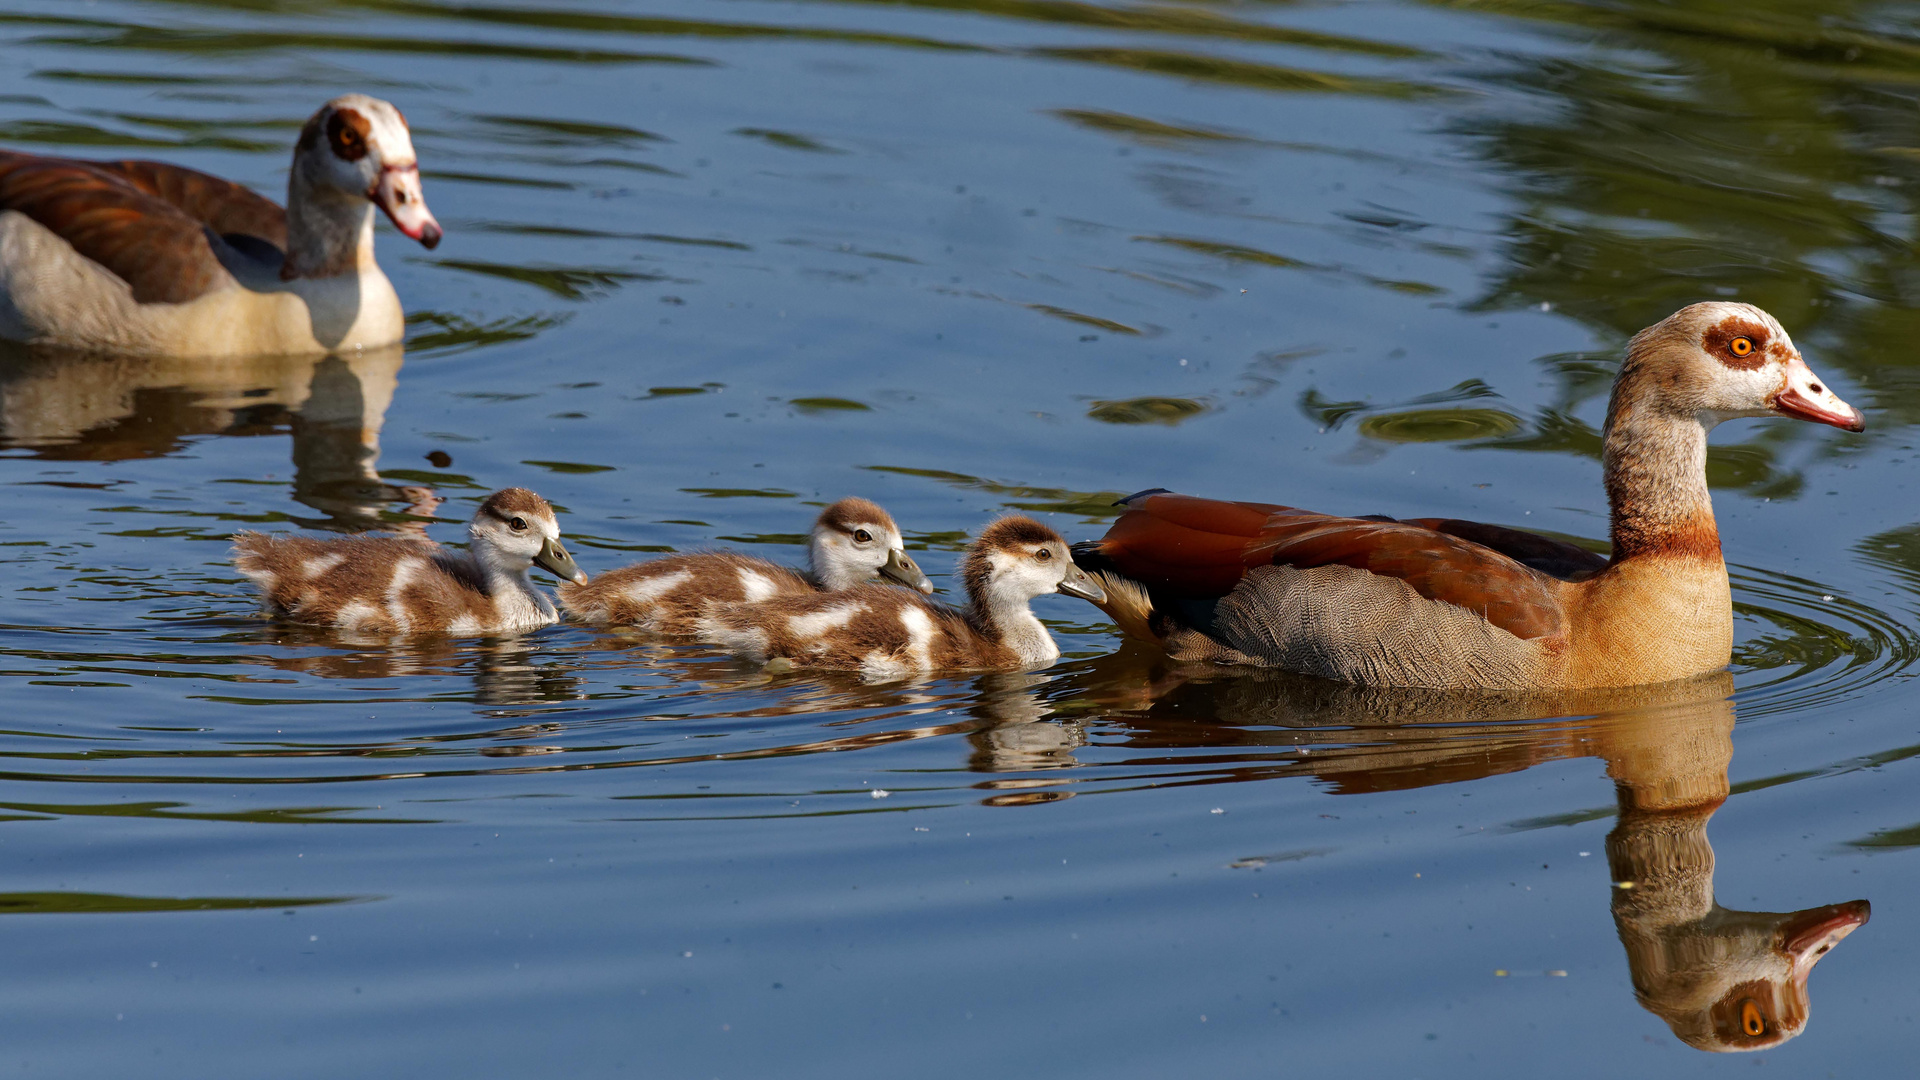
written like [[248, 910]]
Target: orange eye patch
[[1741, 346]]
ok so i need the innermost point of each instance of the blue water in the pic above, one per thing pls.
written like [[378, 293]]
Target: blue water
[[710, 265]]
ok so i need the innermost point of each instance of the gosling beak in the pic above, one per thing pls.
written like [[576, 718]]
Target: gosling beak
[[398, 193], [554, 560], [900, 567], [1805, 397], [1078, 583]]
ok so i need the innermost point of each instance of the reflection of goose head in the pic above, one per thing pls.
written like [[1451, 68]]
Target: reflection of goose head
[[1723, 980]]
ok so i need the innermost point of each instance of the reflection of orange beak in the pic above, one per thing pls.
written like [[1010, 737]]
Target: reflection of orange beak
[[1810, 934], [398, 193], [1803, 397]]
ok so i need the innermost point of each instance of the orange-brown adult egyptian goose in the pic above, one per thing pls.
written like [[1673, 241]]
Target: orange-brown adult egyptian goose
[[853, 542], [142, 257], [396, 585], [888, 633], [1441, 603]]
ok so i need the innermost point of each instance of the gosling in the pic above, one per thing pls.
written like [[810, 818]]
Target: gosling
[[394, 585], [886, 633], [853, 542]]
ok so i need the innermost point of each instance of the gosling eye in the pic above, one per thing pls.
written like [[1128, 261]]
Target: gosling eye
[[862, 536], [1740, 346], [1043, 554], [518, 524], [1751, 1021]]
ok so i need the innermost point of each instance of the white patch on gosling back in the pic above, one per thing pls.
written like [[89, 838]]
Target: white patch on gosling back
[[320, 564], [404, 572], [815, 626], [649, 589], [919, 650], [754, 585], [356, 615], [464, 626]]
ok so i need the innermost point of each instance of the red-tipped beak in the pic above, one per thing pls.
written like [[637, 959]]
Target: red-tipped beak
[[398, 193], [1809, 934], [1805, 397]]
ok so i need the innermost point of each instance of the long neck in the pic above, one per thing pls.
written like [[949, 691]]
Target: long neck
[[1656, 474], [1007, 620], [329, 232]]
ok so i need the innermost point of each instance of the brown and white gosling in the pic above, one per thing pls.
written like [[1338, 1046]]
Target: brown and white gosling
[[853, 542], [890, 633], [393, 585]]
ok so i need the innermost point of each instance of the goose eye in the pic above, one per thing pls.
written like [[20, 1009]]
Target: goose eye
[[1750, 1019], [1741, 346], [518, 524], [1043, 554], [862, 536]]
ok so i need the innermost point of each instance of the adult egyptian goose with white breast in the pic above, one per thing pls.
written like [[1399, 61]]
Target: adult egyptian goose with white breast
[[142, 257], [1449, 604], [853, 542], [888, 633], [393, 585]]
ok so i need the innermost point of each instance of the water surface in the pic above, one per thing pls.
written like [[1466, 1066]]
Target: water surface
[[711, 265]]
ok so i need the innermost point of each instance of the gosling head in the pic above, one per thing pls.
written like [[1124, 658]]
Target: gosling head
[[1017, 558], [855, 541], [514, 531], [358, 147], [1720, 360]]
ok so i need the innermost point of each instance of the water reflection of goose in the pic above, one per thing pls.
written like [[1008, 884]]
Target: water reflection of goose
[[67, 405], [143, 257], [1721, 979], [1456, 604]]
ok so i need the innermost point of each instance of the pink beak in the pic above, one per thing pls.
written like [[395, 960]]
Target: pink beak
[[1804, 397], [398, 193]]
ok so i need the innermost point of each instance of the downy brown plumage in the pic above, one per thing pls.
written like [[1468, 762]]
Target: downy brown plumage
[[390, 585], [1440, 603], [890, 633], [145, 257], [853, 542]]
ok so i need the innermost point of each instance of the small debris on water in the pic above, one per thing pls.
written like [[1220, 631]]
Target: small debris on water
[[1217, 810], [881, 793]]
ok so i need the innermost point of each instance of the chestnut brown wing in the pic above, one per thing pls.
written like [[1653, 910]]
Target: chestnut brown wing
[[227, 208], [161, 249], [1202, 547], [1555, 557]]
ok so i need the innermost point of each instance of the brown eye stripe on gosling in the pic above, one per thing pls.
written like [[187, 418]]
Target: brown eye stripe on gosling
[[388, 585], [669, 595], [889, 633]]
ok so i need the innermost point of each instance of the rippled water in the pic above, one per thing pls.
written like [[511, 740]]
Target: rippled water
[[709, 265]]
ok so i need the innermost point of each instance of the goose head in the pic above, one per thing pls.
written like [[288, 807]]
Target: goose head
[[1016, 559], [1720, 360], [514, 531], [855, 541], [357, 149]]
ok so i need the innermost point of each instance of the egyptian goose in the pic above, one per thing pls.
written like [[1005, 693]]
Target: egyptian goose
[[392, 585], [142, 257], [1449, 604], [888, 633], [853, 542]]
